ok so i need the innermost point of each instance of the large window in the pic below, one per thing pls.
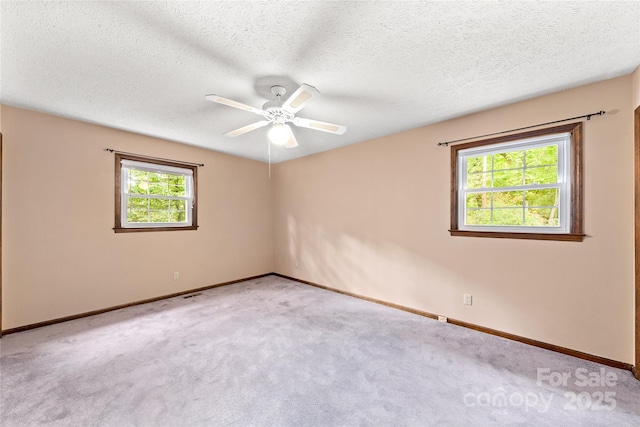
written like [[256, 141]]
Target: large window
[[154, 195], [526, 186]]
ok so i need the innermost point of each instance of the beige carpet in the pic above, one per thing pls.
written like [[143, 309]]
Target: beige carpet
[[272, 352]]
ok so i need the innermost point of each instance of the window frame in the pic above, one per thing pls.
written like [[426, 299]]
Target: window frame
[[574, 159], [120, 227], [562, 184]]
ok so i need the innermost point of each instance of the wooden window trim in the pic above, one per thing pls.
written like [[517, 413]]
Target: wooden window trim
[[118, 196], [576, 233]]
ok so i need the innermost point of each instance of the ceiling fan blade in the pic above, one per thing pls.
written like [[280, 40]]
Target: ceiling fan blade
[[232, 103], [292, 142], [247, 128], [323, 126], [299, 98]]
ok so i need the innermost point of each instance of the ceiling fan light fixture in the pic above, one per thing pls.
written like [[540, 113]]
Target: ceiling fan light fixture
[[279, 134]]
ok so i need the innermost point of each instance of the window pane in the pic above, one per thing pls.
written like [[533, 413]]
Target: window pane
[[138, 187], [542, 156], [138, 175], [542, 175], [508, 178], [159, 216], [479, 164], [507, 216], [478, 200], [177, 205], [177, 190], [479, 180], [508, 199], [137, 215], [176, 179], [138, 181], [157, 177], [158, 188], [137, 203], [159, 204], [178, 216], [542, 217], [478, 217], [547, 197], [510, 160]]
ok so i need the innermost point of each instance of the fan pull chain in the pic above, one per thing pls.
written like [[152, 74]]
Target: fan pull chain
[[269, 151]]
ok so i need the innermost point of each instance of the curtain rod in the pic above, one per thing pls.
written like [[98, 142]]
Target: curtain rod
[[111, 150], [588, 116]]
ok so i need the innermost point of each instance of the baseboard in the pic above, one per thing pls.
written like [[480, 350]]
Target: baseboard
[[535, 343], [118, 307], [546, 346]]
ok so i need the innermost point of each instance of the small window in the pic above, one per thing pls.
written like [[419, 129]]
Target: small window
[[526, 186], [154, 195]]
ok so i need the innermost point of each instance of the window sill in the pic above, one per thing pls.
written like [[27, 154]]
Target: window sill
[[143, 229], [527, 236]]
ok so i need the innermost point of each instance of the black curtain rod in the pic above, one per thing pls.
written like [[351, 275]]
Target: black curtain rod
[[111, 150], [588, 116]]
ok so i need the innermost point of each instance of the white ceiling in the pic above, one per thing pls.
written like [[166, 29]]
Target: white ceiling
[[381, 66]]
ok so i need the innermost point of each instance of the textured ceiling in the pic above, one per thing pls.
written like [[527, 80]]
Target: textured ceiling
[[380, 67]]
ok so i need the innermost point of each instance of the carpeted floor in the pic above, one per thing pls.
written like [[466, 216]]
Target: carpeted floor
[[272, 352]]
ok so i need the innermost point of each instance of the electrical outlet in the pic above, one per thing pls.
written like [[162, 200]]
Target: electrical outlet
[[442, 319], [176, 275], [467, 299]]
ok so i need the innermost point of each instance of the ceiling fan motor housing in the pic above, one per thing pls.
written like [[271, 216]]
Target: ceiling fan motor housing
[[274, 112]]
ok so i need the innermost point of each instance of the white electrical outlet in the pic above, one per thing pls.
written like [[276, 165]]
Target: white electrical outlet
[[467, 299], [442, 319], [176, 275]]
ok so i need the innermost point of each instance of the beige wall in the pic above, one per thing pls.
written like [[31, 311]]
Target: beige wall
[[372, 219], [60, 254]]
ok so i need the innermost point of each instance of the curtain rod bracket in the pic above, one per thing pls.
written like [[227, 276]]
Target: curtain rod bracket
[[599, 113]]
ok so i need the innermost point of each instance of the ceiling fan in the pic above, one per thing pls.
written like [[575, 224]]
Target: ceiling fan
[[279, 113]]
